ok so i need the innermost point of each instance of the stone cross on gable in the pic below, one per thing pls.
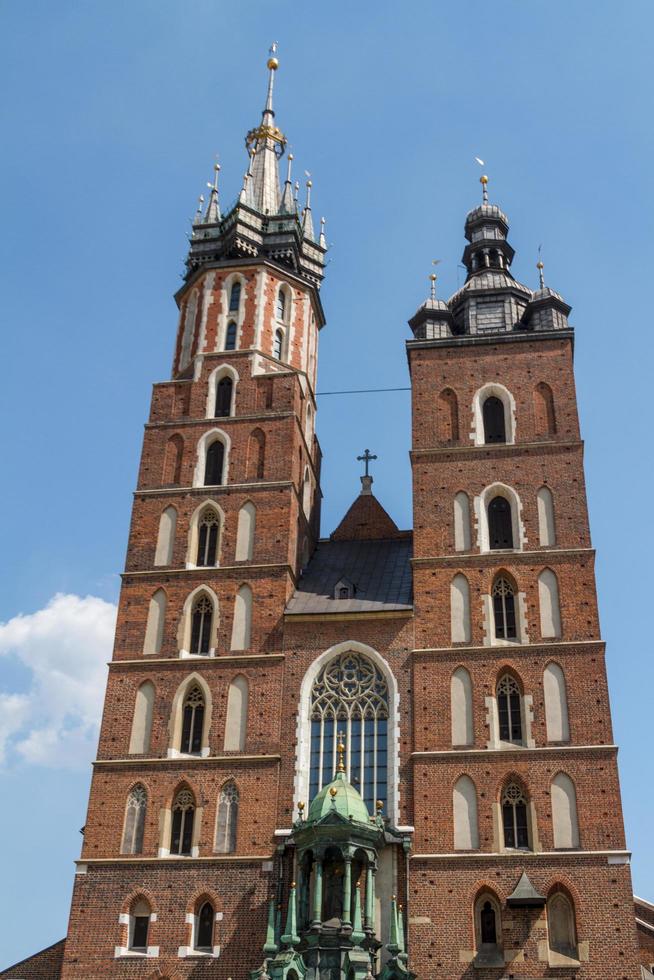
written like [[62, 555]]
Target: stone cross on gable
[[366, 479]]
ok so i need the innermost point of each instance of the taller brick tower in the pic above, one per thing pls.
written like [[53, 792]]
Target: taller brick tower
[[381, 755]]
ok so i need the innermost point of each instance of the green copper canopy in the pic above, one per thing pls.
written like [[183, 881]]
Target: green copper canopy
[[346, 801]]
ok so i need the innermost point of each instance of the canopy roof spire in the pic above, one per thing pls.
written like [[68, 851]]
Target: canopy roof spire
[[267, 143]]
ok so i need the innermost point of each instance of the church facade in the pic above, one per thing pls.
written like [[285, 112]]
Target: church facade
[[379, 754]]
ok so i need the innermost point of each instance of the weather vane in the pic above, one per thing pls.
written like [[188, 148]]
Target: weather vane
[[366, 458]]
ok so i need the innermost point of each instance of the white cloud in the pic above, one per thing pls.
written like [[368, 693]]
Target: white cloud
[[53, 719]]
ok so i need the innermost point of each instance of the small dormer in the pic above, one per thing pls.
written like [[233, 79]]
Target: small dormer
[[344, 589]]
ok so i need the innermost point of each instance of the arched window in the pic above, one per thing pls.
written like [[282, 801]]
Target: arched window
[[236, 724], [500, 524], [350, 696], [514, 817], [503, 596], [509, 709], [280, 309], [242, 625], [488, 932], [192, 722], [564, 812], [227, 819], [230, 336], [201, 623], [545, 420], [134, 821], [461, 708], [256, 455], [235, 297], [546, 527], [448, 416], [172, 468], [562, 934], [460, 609], [154, 629], [139, 926], [556, 704], [462, 522], [208, 532], [247, 516], [224, 390], [464, 805], [166, 537], [306, 494], [548, 596], [494, 421], [204, 920], [278, 345], [139, 742], [181, 836], [213, 470]]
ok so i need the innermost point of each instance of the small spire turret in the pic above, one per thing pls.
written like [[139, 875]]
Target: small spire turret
[[212, 215], [322, 240], [288, 205], [307, 220]]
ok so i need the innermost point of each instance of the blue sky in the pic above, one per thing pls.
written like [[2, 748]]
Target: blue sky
[[111, 114]]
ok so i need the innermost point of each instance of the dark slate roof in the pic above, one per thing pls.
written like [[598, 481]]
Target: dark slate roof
[[379, 570]]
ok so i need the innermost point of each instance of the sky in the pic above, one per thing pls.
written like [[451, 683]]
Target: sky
[[112, 113]]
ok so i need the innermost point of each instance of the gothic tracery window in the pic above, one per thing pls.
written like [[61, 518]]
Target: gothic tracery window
[[201, 619], [503, 595], [350, 696], [227, 819], [192, 721], [514, 817], [509, 710], [208, 529], [181, 838], [134, 821]]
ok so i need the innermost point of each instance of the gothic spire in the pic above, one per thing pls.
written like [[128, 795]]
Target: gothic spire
[[307, 220], [288, 204], [268, 143], [212, 214]]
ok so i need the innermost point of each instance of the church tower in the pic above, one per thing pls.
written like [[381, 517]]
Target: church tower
[[383, 754], [518, 863]]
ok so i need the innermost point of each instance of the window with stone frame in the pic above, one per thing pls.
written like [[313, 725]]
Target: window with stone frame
[[514, 817], [494, 420], [224, 390], [204, 925], [139, 926], [509, 710], [214, 463], [504, 609], [230, 336], [227, 819], [183, 816], [208, 532], [201, 623], [235, 297], [192, 722], [134, 821], [500, 524]]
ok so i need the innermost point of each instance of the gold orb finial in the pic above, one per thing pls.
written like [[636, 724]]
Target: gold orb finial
[[340, 747], [300, 806], [273, 64], [483, 179], [291, 157], [292, 884], [380, 805], [433, 277], [333, 791], [540, 265]]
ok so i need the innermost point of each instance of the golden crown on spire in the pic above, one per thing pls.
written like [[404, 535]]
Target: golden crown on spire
[[340, 748]]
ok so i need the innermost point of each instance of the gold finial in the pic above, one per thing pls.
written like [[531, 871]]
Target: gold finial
[[483, 180], [380, 806], [333, 791], [432, 278], [292, 884], [540, 266], [300, 806], [273, 63], [340, 748]]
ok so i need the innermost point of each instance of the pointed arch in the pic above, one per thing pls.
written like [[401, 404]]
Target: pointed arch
[[448, 416], [256, 455], [182, 836], [488, 929], [461, 708], [544, 415], [464, 808], [283, 304], [245, 532], [134, 822], [548, 597], [236, 723], [166, 537], [199, 623], [176, 723], [304, 727], [173, 456], [218, 406], [227, 819], [462, 536], [514, 803], [460, 609], [509, 695], [242, 623], [306, 493], [154, 629], [190, 316], [499, 509], [561, 924], [501, 427], [139, 918], [546, 525], [203, 927], [235, 296], [139, 742], [279, 344], [205, 535], [556, 704], [565, 824], [217, 466], [505, 613]]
